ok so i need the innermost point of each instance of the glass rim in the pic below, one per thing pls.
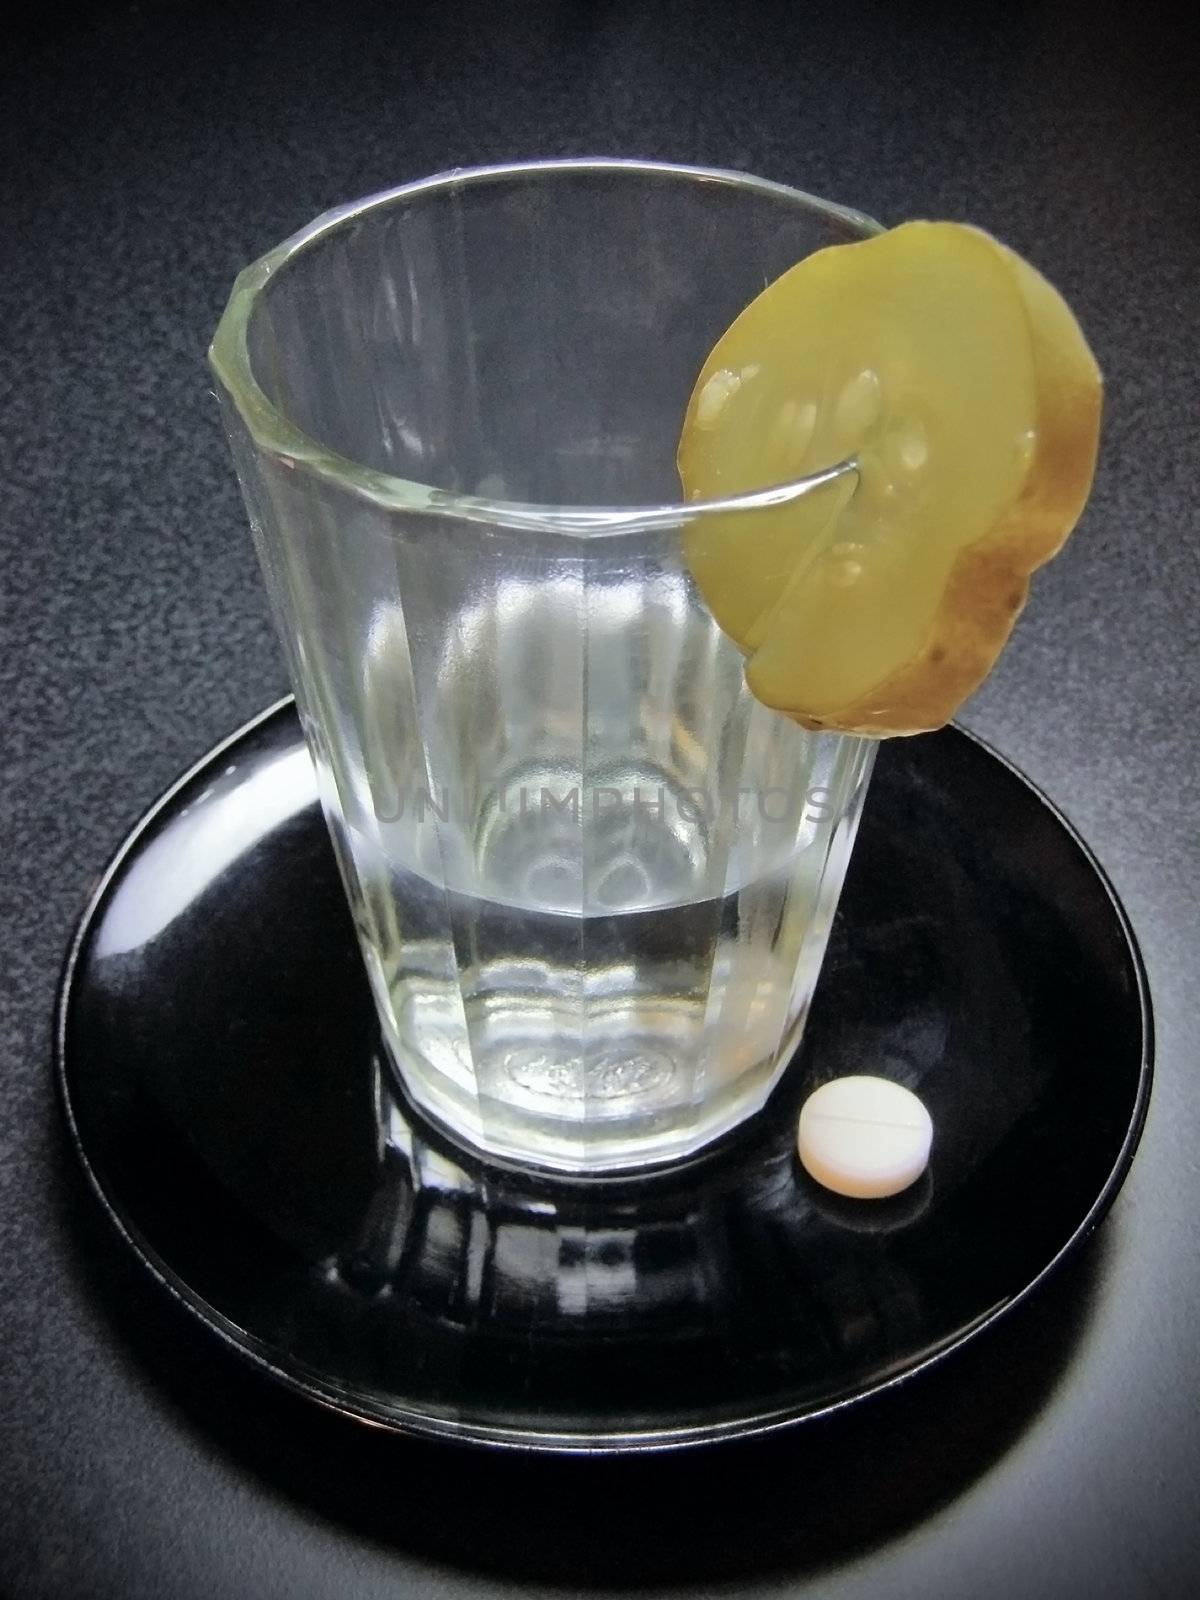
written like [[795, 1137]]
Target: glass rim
[[277, 434]]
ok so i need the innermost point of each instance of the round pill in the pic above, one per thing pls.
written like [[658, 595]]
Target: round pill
[[864, 1137]]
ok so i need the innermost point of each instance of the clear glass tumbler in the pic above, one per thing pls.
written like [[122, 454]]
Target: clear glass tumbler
[[592, 877]]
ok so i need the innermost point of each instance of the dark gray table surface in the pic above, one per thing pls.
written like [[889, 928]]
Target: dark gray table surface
[[150, 151]]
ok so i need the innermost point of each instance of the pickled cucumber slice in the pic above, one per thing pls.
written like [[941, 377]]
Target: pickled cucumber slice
[[959, 381]]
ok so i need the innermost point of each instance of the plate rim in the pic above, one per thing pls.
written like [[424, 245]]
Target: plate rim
[[412, 1422]]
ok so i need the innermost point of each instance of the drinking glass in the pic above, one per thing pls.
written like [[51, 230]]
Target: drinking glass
[[591, 876]]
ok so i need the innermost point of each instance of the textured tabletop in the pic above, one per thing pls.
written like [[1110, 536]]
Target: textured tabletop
[[151, 151]]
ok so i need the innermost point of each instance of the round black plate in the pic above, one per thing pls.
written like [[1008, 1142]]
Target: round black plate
[[219, 1066]]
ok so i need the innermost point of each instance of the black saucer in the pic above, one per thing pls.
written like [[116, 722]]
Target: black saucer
[[218, 1064]]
